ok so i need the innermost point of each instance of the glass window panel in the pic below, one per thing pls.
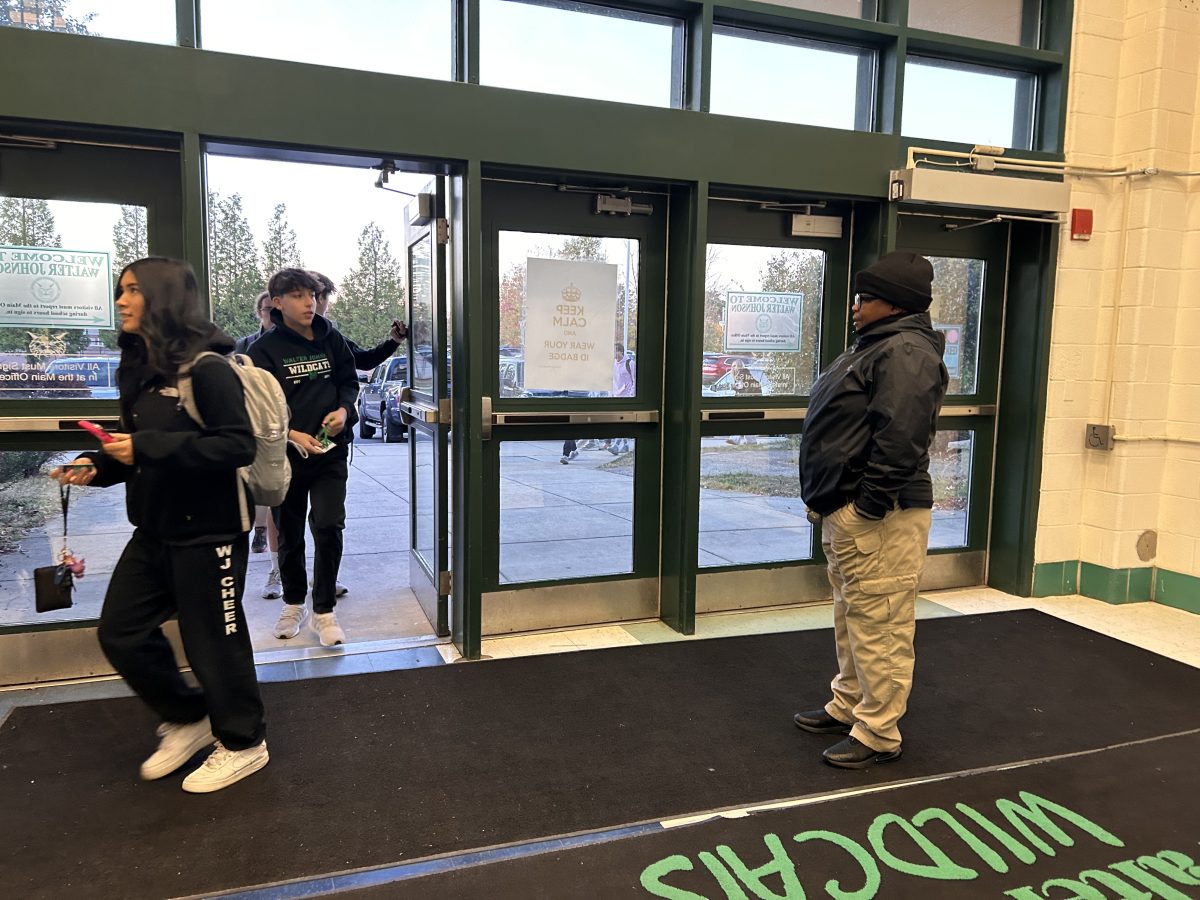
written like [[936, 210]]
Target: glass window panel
[[950, 459], [64, 257], [31, 535], [837, 7], [409, 37], [565, 358], [950, 102], [1004, 21], [755, 75], [566, 509], [957, 304], [420, 263], [580, 51], [750, 506], [424, 496], [151, 21], [755, 296]]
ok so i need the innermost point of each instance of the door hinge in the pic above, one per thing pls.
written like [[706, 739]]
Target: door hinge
[[445, 583], [443, 231]]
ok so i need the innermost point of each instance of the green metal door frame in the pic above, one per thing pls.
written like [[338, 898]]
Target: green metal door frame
[[534, 202], [927, 233]]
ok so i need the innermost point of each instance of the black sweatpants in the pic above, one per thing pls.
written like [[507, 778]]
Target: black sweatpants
[[321, 481], [203, 584]]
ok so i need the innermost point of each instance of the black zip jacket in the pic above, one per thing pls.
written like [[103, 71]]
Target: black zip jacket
[[182, 487], [365, 360], [871, 418], [317, 376]]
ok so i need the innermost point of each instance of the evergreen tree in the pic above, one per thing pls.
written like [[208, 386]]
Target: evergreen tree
[[43, 15], [373, 293], [27, 223], [130, 237], [234, 279], [30, 223], [131, 243], [279, 248]]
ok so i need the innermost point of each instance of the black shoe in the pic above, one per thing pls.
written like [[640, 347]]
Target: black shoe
[[854, 754], [820, 722], [259, 544]]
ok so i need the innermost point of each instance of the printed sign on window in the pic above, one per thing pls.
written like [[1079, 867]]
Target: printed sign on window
[[570, 319], [50, 287], [762, 321]]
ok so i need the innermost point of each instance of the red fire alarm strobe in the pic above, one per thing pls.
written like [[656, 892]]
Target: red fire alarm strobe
[[1081, 224]]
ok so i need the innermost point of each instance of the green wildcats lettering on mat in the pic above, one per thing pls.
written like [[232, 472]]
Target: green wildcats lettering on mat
[[1017, 833]]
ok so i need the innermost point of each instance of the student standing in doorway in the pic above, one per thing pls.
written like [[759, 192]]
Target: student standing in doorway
[[316, 369], [187, 556]]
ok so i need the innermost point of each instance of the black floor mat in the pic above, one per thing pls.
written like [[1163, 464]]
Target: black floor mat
[[384, 768], [1120, 822]]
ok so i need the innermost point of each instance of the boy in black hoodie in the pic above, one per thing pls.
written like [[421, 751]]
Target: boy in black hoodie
[[316, 369]]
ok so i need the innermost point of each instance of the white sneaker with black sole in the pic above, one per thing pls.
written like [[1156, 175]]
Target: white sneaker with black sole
[[291, 617], [225, 767], [273, 589], [328, 629], [178, 742]]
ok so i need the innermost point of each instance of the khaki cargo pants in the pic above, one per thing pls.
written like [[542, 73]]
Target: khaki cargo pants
[[874, 567]]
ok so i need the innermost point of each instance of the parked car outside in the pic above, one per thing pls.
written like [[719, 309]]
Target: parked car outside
[[717, 364], [379, 401]]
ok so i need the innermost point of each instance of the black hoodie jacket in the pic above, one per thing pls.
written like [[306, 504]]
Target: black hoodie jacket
[[317, 376], [871, 418], [182, 486]]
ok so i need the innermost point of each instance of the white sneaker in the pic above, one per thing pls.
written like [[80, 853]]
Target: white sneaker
[[225, 767], [178, 744], [339, 589], [273, 589], [291, 617], [328, 629]]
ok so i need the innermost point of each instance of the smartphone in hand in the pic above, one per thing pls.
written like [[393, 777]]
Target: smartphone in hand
[[95, 430]]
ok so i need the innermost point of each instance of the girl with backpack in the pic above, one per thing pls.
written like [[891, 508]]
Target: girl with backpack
[[188, 552]]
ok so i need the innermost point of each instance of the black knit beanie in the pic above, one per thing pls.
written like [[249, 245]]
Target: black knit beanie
[[901, 278]]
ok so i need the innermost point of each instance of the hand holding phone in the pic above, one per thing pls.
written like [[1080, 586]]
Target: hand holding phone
[[94, 429]]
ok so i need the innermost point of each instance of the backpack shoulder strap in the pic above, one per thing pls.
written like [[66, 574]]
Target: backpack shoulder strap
[[183, 384]]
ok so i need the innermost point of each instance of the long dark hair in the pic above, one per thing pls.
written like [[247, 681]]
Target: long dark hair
[[174, 325]]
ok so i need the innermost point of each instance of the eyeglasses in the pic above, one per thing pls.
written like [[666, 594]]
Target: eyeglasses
[[860, 299]]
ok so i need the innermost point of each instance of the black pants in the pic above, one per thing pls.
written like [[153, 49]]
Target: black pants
[[203, 584], [321, 481], [569, 447]]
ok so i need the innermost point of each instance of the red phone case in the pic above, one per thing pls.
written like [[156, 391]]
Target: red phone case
[[93, 428]]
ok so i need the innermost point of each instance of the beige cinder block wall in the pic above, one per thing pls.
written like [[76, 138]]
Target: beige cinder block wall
[[1133, 103]]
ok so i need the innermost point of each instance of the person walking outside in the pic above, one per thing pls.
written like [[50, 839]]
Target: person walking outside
[[864, 475], [624, 385], [188, 552]]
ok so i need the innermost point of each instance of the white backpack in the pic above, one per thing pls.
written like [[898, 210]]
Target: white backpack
[[270, 474]]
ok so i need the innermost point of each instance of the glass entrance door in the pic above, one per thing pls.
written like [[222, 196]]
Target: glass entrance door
[[425, 404], [577, 284], [970, 271], [774, 317]]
